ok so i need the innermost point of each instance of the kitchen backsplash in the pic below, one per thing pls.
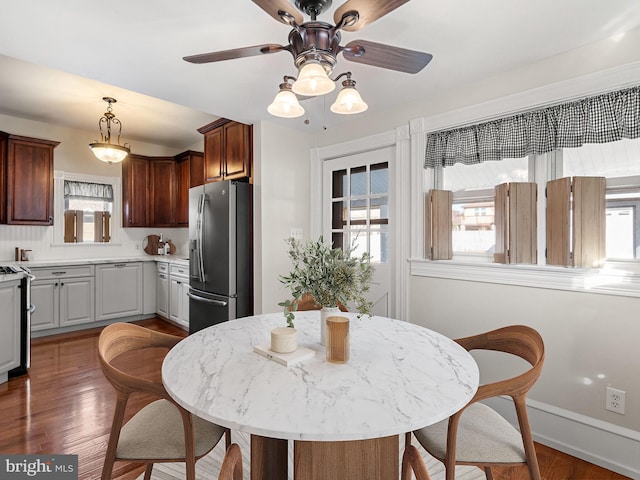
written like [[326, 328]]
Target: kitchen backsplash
[[40, 241]]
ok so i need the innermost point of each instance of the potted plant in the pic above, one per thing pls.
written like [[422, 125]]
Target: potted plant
[[333, 276]]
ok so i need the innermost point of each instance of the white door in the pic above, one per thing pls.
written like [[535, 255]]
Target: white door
[[356, 200]]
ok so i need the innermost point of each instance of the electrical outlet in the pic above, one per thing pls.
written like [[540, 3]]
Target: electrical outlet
[[615, 400], [296, 232]]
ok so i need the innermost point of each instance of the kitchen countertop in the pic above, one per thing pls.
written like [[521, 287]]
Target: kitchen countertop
[[180, 260]]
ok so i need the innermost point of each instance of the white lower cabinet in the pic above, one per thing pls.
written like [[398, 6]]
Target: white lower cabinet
[[10, 327], [178, 299], [118, 290], [162, 290], [63, 296]]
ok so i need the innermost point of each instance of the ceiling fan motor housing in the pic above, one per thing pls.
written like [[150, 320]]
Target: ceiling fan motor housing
[[315, 41], [313, 8]]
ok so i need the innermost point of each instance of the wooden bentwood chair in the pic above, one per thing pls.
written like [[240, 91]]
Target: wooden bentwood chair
[[308, 302], [478, 435], [412, 462], [162, 431], [232, 464]]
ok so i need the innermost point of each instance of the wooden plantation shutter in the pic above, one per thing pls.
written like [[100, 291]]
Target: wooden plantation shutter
[[589, 221], [516, 223], [576, 221], [73, 226], [101, 227], [559, 222], [439, 223]]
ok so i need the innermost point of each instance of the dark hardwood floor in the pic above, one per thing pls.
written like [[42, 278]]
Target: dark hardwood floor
[[65, 405]]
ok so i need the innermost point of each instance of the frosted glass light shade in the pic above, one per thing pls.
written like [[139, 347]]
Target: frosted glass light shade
[[109, 153], [313, 80], [349, 101], [285, 105]]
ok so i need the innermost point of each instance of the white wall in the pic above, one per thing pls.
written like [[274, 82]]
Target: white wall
[[73, 155], [595, 57], [281, 200], [591, 339]]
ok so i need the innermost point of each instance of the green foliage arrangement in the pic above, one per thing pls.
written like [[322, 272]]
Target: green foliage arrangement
[[331, 275]]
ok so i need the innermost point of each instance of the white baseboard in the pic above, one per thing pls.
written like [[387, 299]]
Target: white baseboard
[[605, 444]]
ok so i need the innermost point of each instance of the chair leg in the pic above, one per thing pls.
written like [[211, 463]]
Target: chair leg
[[227, 439], [527, 439], [407, 439], [488, 473], [147, 471], [116, 425]]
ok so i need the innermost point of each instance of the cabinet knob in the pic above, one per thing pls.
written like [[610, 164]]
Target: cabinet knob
[[50, 220], [62, 284]]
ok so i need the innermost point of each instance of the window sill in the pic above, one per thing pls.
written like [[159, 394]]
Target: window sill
[[615, 278]]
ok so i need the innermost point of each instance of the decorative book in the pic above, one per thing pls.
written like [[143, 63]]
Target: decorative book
[[286, 359]]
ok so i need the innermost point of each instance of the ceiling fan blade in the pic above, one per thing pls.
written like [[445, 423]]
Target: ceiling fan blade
[[386, 56], [235, 53], [368, 11], [273, 7]]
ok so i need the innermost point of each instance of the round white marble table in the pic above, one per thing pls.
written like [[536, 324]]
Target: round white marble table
[[400, 377]]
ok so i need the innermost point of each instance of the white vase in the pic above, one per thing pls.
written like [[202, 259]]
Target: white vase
[[324, 313], [284, 340]]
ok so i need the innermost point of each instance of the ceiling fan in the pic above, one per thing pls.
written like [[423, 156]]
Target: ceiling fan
[[315, 43]]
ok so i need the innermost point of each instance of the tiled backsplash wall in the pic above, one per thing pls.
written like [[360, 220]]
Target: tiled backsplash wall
[[40, 241]]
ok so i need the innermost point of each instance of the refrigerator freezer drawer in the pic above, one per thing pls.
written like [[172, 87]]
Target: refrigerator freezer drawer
[[206, 309]]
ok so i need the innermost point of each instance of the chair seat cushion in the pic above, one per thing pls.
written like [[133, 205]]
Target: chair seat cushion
[[483, 437], [156, 433]]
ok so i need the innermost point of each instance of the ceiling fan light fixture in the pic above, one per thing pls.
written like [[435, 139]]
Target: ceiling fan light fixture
[[285, 104], [349, 100], [313, 80], [104, 150]]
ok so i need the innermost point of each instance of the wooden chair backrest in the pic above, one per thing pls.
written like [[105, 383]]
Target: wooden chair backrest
[[308, 302], [519, 340], [232, 464], [119, 338], [412, 462]]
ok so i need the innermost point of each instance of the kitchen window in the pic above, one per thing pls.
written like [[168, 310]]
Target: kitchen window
[[88, 207], [87, 212]]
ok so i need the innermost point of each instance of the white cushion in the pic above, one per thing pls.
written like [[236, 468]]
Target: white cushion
[[483, 437], [156, 433]]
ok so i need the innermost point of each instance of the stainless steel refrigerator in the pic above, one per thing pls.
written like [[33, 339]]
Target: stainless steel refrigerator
[[220, 253]]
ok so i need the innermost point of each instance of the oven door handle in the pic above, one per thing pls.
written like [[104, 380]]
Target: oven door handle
[[32, 308]]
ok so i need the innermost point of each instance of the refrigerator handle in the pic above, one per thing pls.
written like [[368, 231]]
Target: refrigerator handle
[[199, 229], [197, 298]]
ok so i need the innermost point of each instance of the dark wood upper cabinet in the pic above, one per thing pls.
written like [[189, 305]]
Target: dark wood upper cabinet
[[29, 180], [214, 155], [3, 177], [135, 191], [162, 192], [195, 160], [228, 150], [184, 177], [155, 190]]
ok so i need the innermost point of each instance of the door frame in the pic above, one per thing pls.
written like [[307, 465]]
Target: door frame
[[399, 177]]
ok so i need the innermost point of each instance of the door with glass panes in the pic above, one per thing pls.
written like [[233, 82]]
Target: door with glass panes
[[356, 199]]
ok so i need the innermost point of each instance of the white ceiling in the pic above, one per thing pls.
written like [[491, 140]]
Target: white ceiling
[[58, 59]]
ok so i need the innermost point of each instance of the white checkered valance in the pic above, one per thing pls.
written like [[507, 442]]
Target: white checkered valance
[[599, 119]]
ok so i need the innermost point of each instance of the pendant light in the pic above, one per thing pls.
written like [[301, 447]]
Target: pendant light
[[313, 80], [349, 100], [105, 150], [286, 103]]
